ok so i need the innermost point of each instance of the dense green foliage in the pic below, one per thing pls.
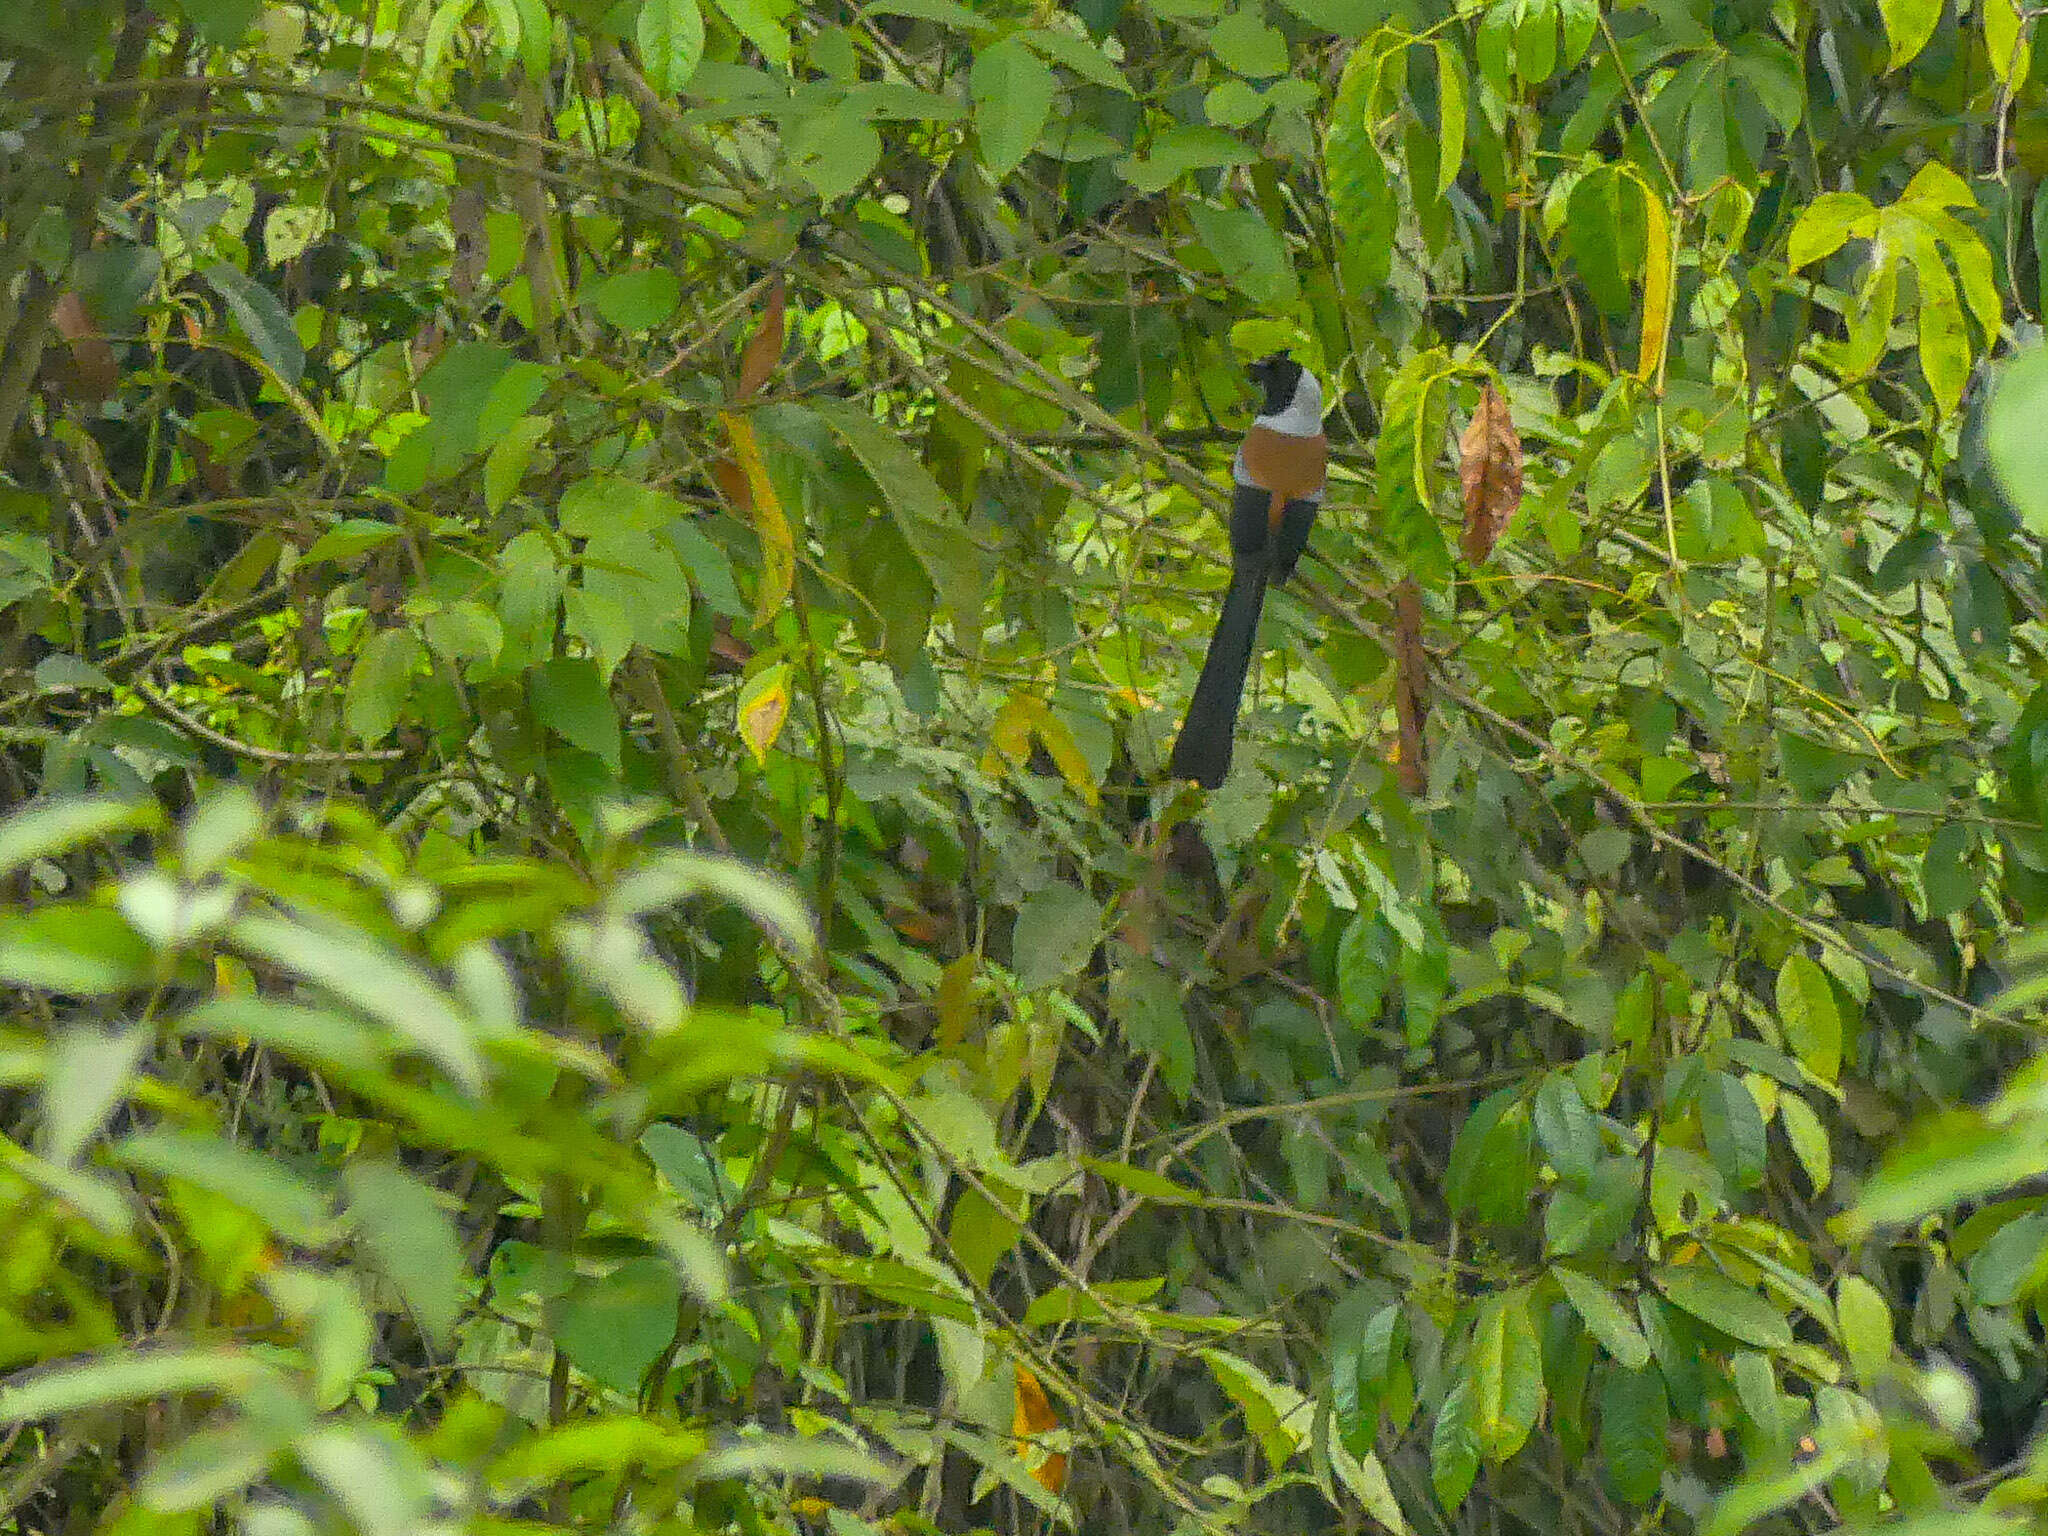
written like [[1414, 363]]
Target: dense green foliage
[[595, 593]]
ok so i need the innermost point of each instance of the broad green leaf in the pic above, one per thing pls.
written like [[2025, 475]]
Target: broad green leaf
[[1721, 1303], [129, 1376], [1810, 1016], [411, 1240], [1909, 24], [1733, 1129], [835, 151], [263, 319], [1252, 256], [1243, 42], [88, 1074], [1505, 1370], [1866, 1327], [1178, 151], [1142, 1181], [1057, 928], [2007, 42], [1826, 223], [1277, 1414], [1809, 1140], [1564, 1128], [89, 951], [267, 1188], [670, 35], [1013, 91], [1605, 1318], [570, 699], [1450, 87], [642, 300], [2013, 1263], [382, 983], [380, 683], [928, 522], [1635, 1416], [614, 1326], [2013, 439], [49, 827], [760, 24], [1454, 1446]]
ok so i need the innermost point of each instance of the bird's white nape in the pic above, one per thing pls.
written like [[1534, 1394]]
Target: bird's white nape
[[1304, 414]]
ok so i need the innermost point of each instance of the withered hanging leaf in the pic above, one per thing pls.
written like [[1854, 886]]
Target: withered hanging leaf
[[1411, 700], [763, 707], [778, 544], [1490, 466], [764, 348], [1032, 1417], [94, 374]]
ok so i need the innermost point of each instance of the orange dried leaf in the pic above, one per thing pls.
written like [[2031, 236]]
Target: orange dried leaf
[[1490, 468], [1032, 1417], [764, 348], [778, 545]]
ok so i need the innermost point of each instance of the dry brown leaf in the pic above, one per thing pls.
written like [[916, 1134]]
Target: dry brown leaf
[[1490, 466], [778, 544], [94, 374], [764, 348], [1411, 699]]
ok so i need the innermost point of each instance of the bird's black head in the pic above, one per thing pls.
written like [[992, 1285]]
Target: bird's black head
[[1276, 375]]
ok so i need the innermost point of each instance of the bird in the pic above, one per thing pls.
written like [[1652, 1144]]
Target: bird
[[1277, 485]]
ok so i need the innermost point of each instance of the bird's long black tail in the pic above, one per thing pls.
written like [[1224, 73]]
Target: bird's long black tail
[[1202, 751]]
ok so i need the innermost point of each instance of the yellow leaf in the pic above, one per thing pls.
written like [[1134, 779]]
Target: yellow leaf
[[1032, 1417], [1658, 289], [1022, 717], [778, 546], [2005, 42], [764, 706]]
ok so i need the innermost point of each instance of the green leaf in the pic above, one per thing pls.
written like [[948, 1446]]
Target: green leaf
[[1454, 1447], [1450, 87], [754, 21], [286, 1203], [1564, 1128], [262, 318], [52, 826], [1251, 255], [1142, 1181], [1721, 1303], [615, 1326], [1909, 24], [130, 1376], [223, 23], [1505, 1371], [382, 984], [642, 300], [380, 683], [1635, 1418], [1809, 1139], [834, 151], [1826, 223], [1244, 43], [73, 949], [570, 698], [412, 1241], [1605, 1318], [670, 35], [352, 536], [2013, 1263], [1057, 928], [1181, 150], [927, 519], [1013, 92], [1275, 1413], [2013, 439], [1810, 1016], [1733, 1128], [1866, 1327]]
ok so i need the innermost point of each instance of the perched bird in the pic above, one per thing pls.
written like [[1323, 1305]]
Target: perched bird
[[1278, 476]]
